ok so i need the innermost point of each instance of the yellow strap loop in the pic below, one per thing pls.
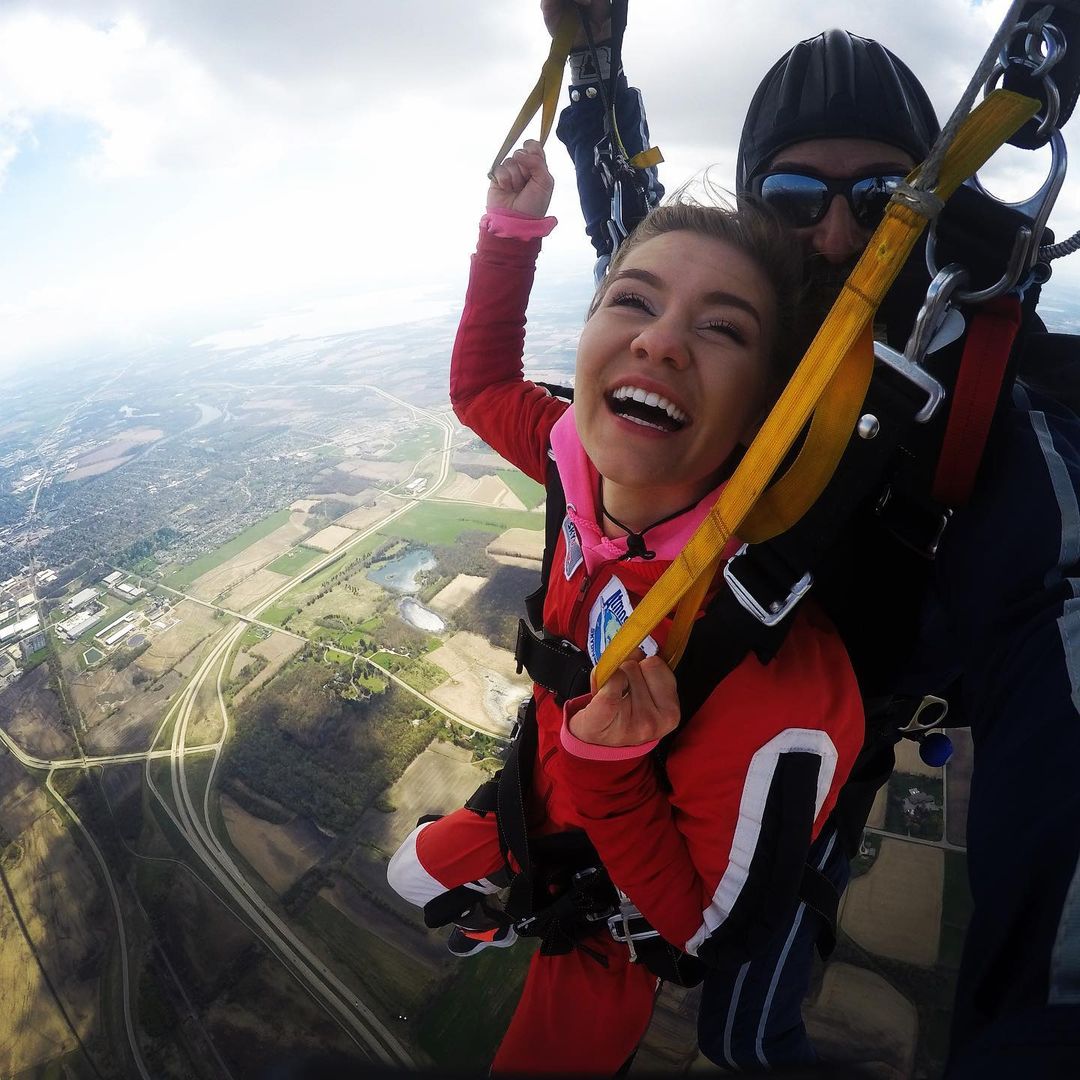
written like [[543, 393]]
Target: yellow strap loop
[[546, 90], [646, 159], [687, 580], [797, 490]]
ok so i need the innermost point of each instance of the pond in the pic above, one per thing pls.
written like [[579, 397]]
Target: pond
[[417, 615], [399, 574]]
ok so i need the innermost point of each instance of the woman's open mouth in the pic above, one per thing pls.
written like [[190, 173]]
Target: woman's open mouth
[[647, 409]]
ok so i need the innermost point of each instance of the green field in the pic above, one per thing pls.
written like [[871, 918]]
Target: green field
[[292, 562], [416, 446], [187, 574], [524, 487], [388, 975], [440, 523], [465, 1023], [276, 614]]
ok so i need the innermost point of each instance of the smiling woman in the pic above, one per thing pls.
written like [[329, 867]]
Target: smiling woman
[[675, 366], [688, 338]]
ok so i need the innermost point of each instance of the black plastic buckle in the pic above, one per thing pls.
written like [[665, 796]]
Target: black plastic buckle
[[917, 527], [773, 610]]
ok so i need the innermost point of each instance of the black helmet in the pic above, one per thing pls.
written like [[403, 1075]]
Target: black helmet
[[835, 85]]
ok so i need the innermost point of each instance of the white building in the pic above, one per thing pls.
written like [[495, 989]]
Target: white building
[[14, 631], [26, 601], [71, 628], [80, 598], [113, 578]]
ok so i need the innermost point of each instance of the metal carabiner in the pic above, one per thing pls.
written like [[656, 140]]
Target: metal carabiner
[[946, 283]]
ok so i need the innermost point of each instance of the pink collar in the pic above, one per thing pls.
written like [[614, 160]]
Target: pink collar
[[580, 482]]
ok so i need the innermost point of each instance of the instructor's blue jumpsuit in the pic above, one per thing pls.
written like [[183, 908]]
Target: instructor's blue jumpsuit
[[1003, 599]]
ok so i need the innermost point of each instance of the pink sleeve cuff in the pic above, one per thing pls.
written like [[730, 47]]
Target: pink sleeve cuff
[[515, 225], [593, 751]]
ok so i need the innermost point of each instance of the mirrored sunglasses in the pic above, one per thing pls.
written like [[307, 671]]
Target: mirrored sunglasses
[[803, 200]]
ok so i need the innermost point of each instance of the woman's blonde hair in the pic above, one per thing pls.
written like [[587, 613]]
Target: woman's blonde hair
[[759, 234]]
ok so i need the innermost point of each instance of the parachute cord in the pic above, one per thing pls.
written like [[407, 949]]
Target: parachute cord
[[1057, 251], [928, 174]]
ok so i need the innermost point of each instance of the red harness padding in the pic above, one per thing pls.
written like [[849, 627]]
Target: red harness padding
[[978, 385]]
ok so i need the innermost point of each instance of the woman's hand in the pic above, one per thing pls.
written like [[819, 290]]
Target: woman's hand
[[522, 182], [638, 704], [599, 18]]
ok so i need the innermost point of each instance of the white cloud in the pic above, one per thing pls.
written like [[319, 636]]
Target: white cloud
[[179, 163]]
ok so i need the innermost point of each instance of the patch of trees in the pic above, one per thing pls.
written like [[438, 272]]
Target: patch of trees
[[330, 509], [300, 743], [69, 712], [334, 480], [64, 577], [122, 657], [245, 675], [147, 546]]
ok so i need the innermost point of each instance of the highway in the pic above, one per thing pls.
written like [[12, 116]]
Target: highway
[[194, 821], [191, 815]]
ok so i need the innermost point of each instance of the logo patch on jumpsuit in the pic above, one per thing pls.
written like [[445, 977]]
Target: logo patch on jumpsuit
[[609, 611], [574, 557]]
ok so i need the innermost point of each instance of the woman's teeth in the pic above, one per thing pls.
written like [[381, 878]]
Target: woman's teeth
[[648, 408]]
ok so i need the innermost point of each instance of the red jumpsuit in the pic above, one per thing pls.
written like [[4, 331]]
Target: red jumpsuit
[[693, 859]]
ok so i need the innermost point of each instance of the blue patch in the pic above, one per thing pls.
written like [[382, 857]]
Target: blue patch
[[574, 557], [609, 611]]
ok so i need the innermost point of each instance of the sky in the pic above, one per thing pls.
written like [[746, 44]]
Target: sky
[[241, 170]]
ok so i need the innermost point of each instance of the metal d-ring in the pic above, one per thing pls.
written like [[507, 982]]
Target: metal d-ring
[[1018, 262]]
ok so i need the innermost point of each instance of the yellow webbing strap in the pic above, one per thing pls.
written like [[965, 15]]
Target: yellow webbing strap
[[685, 583], [646, 159], [546, 90]]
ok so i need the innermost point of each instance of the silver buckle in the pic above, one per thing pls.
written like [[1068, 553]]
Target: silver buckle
[[619, 925], [920, 377], [778, 609]]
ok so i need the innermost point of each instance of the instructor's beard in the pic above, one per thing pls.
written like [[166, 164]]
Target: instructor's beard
[[823, 283]]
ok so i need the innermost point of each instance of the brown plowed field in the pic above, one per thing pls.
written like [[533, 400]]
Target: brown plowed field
[[254, 557], [457, 592], [30, 713], [894, 909], [278, 649], [252, 589], [54, 889], [280, 854], [438, 781], [329, 539], [167, 648], [858, 1016]]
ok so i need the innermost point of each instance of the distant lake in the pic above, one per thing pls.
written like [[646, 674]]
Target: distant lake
[[399, 574], [412, 611]]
